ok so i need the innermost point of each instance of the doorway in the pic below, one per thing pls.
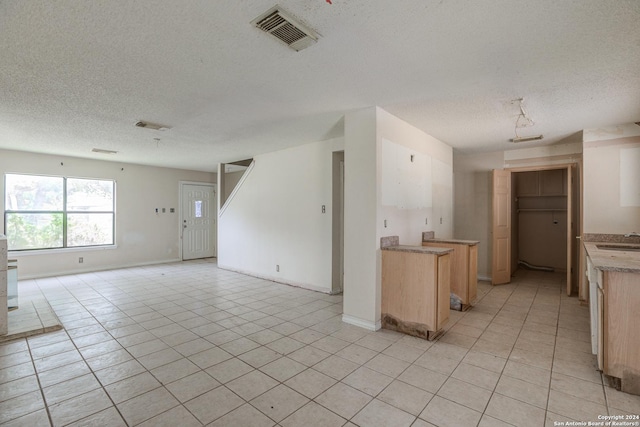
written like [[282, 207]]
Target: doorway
[[536, 221], [337, 239], [198, 215]]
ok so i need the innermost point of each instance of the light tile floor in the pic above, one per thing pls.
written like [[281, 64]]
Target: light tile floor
[[34, 316], [188, 344]]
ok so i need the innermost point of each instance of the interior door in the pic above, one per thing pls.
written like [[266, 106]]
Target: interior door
[[501, 218], [198, 221], [570, 232]]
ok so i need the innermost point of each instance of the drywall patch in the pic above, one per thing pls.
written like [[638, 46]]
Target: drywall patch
[[630, 177]]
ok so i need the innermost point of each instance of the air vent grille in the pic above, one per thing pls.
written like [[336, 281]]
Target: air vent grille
[[283, 27]]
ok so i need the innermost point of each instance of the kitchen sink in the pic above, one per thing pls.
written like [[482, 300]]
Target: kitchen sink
[[624, 248]]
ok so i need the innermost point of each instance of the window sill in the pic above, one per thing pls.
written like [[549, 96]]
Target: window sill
[[61, 250]]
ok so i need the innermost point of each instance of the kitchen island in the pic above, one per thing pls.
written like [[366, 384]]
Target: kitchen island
[[464, 268], [415, 288]]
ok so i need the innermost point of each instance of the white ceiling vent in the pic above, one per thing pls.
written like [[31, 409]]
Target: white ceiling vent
[[285, 28]]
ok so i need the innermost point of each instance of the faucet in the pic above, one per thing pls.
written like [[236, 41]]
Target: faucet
[[633, 233]]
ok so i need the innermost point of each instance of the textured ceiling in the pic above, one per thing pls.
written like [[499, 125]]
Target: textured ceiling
[[77, 75]]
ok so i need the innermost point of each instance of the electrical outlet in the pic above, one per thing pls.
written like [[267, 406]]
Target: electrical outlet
[[172, 210], [277, 267], [324, 209], [385, 223], [80, 260], [164, 210]]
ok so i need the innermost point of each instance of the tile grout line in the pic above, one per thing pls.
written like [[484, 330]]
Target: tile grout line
[[511, 351], [41, 389], [102, 386], [553, 360]]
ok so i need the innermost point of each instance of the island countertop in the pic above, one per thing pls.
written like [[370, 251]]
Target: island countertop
[[418, 249], [454, 241], [429, 237], [614, 260]]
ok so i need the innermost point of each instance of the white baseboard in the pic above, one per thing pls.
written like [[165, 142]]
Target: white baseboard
[[356, 321], [94, 269], [484, 278], [276, 279]]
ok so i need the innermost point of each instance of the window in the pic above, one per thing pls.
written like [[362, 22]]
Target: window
[[48, 212]]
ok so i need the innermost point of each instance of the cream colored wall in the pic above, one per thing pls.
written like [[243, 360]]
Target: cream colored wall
[[275, 218], [604, 208], [472, 202], [142, 236], [362, 292]]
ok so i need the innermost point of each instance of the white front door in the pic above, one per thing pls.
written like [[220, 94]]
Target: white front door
[[198, 221]]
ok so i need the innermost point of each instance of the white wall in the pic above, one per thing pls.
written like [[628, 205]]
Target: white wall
[[275, 218], [612, 185], [472, 204], [361, 302], [381, 183], [142, 236], [420, 193]]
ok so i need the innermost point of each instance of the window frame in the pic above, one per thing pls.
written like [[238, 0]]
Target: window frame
[[64, 212]]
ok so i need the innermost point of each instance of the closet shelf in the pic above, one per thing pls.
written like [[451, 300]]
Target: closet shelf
[[542, 210], [538, 196]]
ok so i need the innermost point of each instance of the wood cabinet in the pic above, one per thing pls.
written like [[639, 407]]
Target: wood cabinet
[[527, 184], [415, 289], [600, 328], [551, 182], [464, 269], [614, 297], [620, 340]]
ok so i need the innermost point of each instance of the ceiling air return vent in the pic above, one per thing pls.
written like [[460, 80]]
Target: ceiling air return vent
[[285, 28]]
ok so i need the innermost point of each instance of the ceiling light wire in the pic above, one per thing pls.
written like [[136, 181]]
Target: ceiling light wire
[[519, 124], [523, 114]]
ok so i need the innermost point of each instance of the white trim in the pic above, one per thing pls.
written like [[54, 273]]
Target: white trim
[[96, 269], [356, 321], [277, 280], [237, 187], [484, 278], [54, 251]]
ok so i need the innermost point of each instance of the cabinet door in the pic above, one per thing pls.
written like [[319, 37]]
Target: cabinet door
[[443, 290], [472, 275], [553, 182], [601, 348], [527, 184]]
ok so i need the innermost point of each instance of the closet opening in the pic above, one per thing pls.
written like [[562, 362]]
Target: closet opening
[[538, 226]]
